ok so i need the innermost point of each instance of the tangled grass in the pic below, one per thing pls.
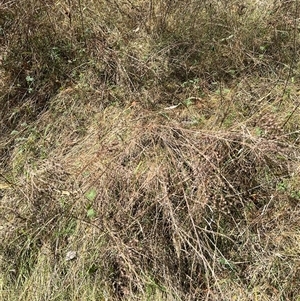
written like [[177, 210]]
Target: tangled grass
[[149, 150]]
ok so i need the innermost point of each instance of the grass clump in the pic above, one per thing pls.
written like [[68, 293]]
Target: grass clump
[[149, 150]]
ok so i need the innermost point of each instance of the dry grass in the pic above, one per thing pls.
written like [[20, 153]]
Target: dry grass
[[147, 153]]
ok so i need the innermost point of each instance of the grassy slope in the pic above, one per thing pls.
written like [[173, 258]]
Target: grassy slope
[[160, 146]]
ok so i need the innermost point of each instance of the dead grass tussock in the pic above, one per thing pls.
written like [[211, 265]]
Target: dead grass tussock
[[172, 203], [176, 209], [191, 172]]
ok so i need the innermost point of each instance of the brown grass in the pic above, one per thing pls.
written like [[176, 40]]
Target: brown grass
[[159, 140]]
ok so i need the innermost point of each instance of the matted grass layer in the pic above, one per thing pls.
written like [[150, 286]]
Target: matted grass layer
[[149, 150], [152, 206]]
